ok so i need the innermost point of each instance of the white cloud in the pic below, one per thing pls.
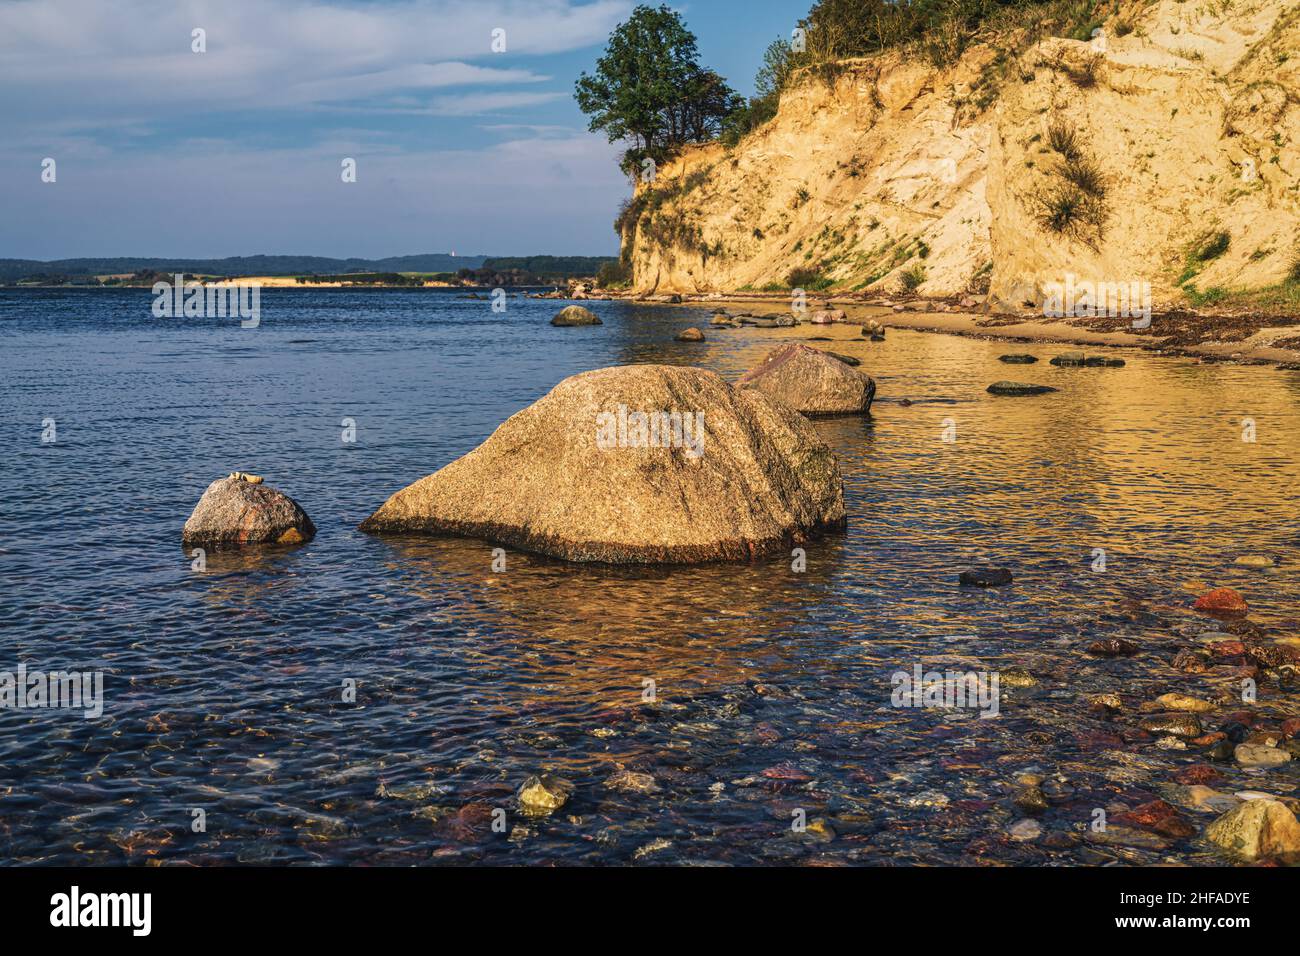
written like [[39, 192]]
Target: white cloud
[[88, 54]]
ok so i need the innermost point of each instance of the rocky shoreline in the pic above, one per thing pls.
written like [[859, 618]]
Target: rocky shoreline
[[1248, 338]]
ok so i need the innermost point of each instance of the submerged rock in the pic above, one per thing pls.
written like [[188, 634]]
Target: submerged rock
[[1018, 388], [1254, 561], [985, 577], [1113, 647], [1177, 725], [1018, 359], [629, 781], [1258, 829], [635, 464], [576, 315], [235, 511], [810, 381], [1260, 755]]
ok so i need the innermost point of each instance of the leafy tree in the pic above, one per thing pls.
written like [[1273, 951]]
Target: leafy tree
[[778, 64], [649, 88]]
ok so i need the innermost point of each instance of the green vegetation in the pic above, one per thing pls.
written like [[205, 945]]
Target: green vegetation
[[1084, 174], [1064, 139], [650, 89], [940, 29], [1211, 246], [1207, 247], [365, 278], [614, 274], [809, 277], [779, 62], [563, 266], [1068, 210], [912, 278]]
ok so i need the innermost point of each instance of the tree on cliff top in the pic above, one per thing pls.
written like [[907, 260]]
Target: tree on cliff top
[[650, 88]]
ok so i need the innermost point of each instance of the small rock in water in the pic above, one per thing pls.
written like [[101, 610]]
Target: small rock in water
[[575, 315], [654, 846], [1179, 725], [240, 510], [690, 335], [1106, 702], [985, 577], [1183, 702], [1254, 561], [1222, 601], [1018, 359], [1260, 755], [1018, 389], [544, 794], [1017, 677], [628, 781], [1198, 774], [1070, 360], [1258, 829], [1030, 799], [1024, 831], [1113, 647]]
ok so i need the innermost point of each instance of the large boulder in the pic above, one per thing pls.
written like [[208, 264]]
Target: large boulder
[[635, 464], [810, 381], [1258, 829], [241, 510], [576, 315]]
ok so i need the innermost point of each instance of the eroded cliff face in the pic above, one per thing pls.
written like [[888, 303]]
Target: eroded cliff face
[[1110, 161]]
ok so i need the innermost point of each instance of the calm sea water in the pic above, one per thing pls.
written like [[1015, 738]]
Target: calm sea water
[[224, 689]]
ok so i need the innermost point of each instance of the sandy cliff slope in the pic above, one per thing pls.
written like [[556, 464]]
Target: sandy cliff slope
[[1180, 122]]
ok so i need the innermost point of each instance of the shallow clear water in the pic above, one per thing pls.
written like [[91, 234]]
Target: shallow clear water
[[223, 689]]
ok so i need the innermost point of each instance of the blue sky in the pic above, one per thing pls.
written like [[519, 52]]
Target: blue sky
[[161, 151]]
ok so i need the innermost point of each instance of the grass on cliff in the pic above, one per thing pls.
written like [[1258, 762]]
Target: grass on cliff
[[941, 30]]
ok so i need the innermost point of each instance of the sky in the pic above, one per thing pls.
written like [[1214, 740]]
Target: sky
[[159, 150]]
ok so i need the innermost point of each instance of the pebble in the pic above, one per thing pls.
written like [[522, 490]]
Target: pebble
[[1031, 799], [1179, 725], [1113, 647], [1259, 755], [1025, 831], [1184, 703], [628, 781]]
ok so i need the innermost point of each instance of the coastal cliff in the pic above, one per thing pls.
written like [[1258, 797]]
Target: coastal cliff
[[1163, 151]]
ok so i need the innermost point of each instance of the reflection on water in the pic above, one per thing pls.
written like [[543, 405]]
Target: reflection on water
[[748, 692]]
